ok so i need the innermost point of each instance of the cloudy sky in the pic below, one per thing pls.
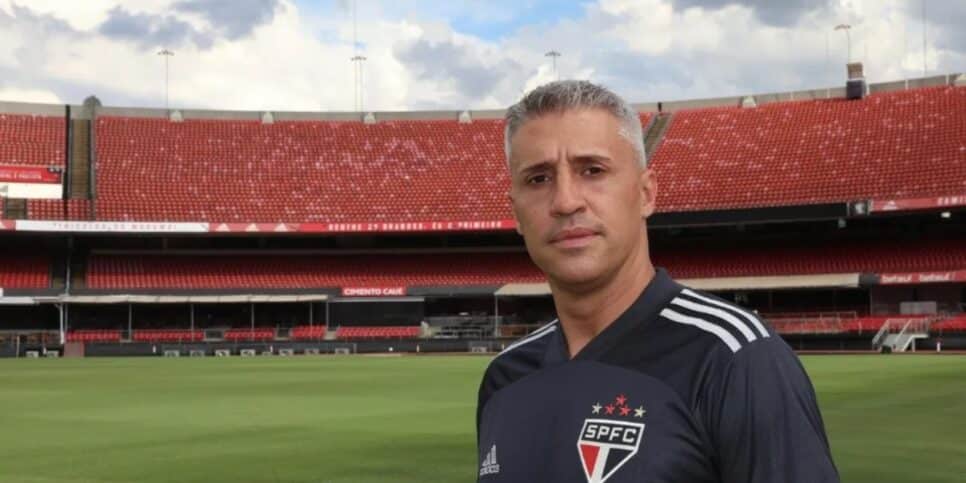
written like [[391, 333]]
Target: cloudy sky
[[294, 54]]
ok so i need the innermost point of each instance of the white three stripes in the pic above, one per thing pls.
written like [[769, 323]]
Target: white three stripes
[[754, 321], [705, 326], [741, 326], [717, 310], [717, 315]]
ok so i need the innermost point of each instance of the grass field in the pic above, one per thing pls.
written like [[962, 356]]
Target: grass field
[[370, 419]]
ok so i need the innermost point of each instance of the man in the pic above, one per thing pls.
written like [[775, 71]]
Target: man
[[639, 379]]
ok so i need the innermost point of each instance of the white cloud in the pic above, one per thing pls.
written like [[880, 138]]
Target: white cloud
[[28, 95], [648, 50]]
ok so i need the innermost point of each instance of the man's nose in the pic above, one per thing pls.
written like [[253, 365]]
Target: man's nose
[[567, 195]]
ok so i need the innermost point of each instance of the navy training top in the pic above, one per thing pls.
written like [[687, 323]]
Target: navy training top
[[682, 387]]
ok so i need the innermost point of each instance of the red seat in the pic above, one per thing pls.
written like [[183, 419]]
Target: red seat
[[167, 335], [377, 332], [493, 269], [950, 325], [308, 332], [256, 334], [29, 140], [901, 144], [301, 171], [59, 210], [24, 271], [96, 335]]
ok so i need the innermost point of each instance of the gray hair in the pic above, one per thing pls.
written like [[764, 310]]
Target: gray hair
[[565, 95]]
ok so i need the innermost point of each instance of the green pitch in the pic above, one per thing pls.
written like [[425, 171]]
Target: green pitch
[[370, 419]]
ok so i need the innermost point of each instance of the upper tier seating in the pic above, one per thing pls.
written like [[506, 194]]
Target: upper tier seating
[[27, 140], [301, 171], [316, 271], [54, 209], [409, 332], [899, 144], [902, 144], [24, 271]]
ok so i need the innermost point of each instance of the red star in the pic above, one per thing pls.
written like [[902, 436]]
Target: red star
[[625, 410], [621, 400], [609, 409]]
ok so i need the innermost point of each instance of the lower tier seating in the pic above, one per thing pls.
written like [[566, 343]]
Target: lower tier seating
[[409, 332], [168, 335], [95, 335]]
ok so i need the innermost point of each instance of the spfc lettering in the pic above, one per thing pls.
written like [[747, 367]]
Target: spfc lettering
[[605, 445]]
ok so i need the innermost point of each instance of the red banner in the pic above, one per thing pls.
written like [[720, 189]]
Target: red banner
[[363, 227], [878, 206], [29, 174], [373, 291], [922, 277], [407, 226]]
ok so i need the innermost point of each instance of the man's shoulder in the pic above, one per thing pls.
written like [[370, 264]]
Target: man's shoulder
[[520, 358], [712, 323]]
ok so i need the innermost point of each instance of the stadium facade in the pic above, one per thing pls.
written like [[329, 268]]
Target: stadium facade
[[836, 214]]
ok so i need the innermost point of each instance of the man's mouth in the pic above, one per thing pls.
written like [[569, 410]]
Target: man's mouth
[[573, 238]]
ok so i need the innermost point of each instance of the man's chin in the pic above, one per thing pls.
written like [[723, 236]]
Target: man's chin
[[575, 276]]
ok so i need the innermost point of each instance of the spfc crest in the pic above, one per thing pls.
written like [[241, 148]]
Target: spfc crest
[[606, 443]]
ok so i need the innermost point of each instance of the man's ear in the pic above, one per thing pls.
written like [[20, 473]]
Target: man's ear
[[513, 211], [648, 184]]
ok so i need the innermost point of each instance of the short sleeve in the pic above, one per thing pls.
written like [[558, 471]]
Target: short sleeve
[[764, 420]]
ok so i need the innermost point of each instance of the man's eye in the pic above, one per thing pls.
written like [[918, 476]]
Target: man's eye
[[538, 179], [593, 170]]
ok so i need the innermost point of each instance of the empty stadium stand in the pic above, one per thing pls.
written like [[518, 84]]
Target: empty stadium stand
[[24, 271], [77, 209], [256, 334], [951, 325], [152, 169], [819, 323], [32, 140], [315, 271], [900, 144], [817, 258], [777, 154], [167, 335], [870, 324], [308, 332], [307, 271], [808, 322], [301, 171], [94, 336], [360, 332]]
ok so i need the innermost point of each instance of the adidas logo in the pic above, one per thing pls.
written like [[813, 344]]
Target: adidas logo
[[489, 465]]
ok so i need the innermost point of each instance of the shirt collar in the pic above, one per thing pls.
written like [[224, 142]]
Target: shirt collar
[[652, 299]]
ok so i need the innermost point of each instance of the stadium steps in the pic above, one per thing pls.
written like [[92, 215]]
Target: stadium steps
[[14, 208], [78, 271], [58, 272], [656, 133], [80, 159]]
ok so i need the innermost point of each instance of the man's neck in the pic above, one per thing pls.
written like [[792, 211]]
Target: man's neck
[[585, 313]]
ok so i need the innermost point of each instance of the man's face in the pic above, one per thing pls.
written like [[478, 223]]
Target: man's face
[[579, 195]]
